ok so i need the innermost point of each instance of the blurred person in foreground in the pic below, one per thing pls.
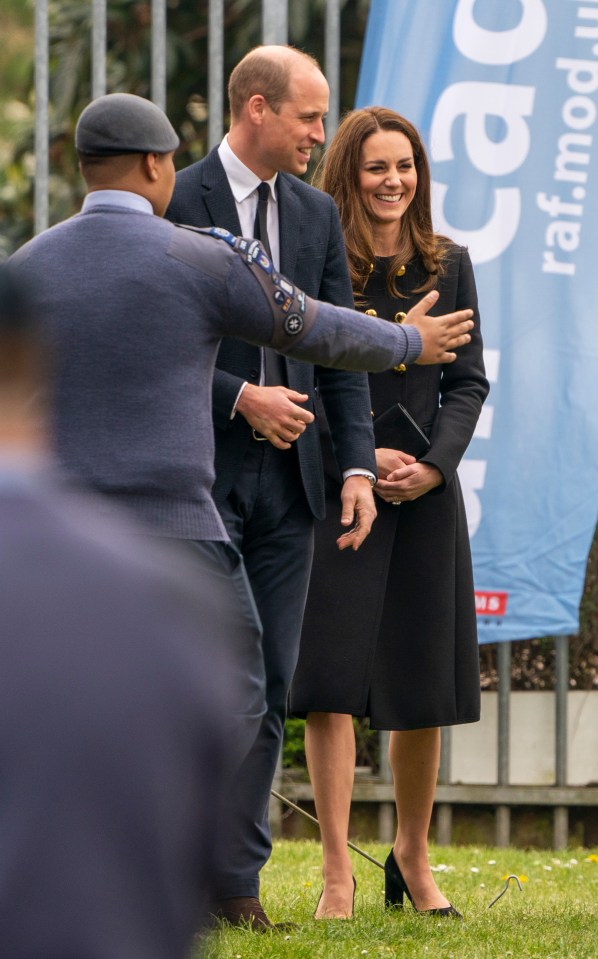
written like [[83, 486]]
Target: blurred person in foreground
[[390, 632], [115, 735]]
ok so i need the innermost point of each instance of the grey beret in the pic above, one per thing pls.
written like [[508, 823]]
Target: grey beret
[[124, 123]]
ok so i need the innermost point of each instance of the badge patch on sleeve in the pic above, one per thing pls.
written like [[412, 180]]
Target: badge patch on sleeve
[[293, 324], [294, 312]]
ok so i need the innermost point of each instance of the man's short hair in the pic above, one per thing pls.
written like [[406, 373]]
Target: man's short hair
[[269, 76]]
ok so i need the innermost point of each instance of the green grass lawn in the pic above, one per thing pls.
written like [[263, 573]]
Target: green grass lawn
[[554, 917]]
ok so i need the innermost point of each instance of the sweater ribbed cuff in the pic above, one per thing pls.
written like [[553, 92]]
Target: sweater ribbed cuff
[[413, 346]]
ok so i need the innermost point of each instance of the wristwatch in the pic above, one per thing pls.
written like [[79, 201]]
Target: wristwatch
[[365, 473]]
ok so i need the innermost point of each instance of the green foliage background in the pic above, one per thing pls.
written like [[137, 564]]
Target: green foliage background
[[128, 70]]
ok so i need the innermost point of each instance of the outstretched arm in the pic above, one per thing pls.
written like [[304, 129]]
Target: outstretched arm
[[283, 317]]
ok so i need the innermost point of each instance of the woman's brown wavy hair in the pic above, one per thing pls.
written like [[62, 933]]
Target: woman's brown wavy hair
[[338, 174]]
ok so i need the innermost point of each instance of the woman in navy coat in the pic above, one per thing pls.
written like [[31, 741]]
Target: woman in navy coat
[[390, 630]]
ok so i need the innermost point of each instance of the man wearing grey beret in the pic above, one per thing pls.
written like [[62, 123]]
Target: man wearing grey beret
[[122, 123], [135, 309]]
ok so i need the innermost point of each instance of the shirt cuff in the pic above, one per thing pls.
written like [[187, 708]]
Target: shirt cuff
[[358, 472], [234, 409]]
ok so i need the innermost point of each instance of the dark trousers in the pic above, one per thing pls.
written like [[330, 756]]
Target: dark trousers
[[268, 520], [239, 633]]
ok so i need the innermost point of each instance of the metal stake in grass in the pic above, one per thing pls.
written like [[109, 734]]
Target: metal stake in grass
[[313, 819], [506, 886]]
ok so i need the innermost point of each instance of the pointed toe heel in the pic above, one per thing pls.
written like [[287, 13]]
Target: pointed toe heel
[[447, 912], [395, 888], [394, 884], [317, 904], [352, 913]]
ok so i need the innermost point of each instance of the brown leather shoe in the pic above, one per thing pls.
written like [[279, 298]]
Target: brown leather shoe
[[247, 911]]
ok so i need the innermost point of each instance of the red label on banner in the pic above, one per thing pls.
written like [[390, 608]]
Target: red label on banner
[[490, 603]]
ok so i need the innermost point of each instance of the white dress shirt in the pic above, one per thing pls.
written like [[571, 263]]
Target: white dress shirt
[[244, 183]]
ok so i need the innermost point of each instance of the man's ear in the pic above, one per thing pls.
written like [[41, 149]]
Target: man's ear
[[256, 108], [149, 165]]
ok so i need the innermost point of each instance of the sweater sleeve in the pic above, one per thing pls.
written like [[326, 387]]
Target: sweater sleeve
[[308, 329], [250, 300]]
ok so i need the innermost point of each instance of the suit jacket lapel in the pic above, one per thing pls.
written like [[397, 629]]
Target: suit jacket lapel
[[289, 219], [220, 204], [218, 197], [289, 225]]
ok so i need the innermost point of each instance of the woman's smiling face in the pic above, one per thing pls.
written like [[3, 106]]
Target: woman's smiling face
[[387, 175]]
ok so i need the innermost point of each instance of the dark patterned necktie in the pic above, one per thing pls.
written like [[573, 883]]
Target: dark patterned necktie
[[274, 371], [260, 226]]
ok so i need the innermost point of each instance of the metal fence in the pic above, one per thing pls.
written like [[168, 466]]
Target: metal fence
[[501, 796], [274, 30]]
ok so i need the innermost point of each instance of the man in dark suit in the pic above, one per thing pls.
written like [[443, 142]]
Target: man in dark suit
[[269, 475], [115, 737]]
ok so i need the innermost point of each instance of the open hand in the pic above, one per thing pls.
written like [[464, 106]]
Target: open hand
[[440, 334], [358, 509]]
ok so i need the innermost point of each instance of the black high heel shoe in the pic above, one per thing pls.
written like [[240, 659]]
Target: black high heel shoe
[[395, 888], [352, 903]]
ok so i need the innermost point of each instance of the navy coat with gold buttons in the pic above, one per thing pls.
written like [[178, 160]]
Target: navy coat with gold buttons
[[390, 631]]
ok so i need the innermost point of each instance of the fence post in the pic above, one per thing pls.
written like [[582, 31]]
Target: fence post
[[98, 49], [159, 53], [503, 813], [275, 21], [332, 60], [560, 822], [42, 125], [215, 72]]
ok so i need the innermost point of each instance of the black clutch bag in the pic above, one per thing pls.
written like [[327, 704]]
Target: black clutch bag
[[396, 429]]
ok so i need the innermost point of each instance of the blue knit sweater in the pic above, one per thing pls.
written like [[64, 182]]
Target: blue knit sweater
[[134, 309]]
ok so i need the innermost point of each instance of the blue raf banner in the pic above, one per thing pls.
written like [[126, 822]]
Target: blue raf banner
[[505, 94]]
